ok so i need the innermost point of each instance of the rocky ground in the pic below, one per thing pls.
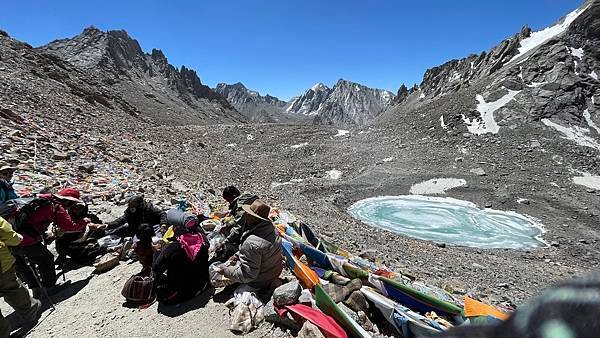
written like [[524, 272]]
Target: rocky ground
[[294, 167]]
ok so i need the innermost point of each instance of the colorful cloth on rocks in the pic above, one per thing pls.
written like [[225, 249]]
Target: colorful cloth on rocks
[[568, 310], [324, 322]]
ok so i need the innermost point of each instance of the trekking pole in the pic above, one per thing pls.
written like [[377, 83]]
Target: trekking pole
[[39, 283]]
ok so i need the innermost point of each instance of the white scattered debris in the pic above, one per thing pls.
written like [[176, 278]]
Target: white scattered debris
[[540, 37], [487, 109], [590, 122], [577, 52], [574, 133], [437, 186], [279, 184], [442, 122], [296, 146], [341, 132], [231, 145], [536, 84], [333, 174], [422, 96], [575, 67], [387, 159], [594, 75], [249, 137], [522, 200], [290, 182]]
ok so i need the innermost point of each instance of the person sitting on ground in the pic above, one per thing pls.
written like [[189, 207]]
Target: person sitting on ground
[[259, 260], [181, 268], [32, 253], [236, 200], [144, 248], [78, 245], [11, 288], [138, 211]]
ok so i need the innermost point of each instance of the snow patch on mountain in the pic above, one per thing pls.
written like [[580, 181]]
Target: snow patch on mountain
[[540, 37], [333, 174], [594, 75], [487, 124], [577, 52], [574, 133], [341, 132], [436, 186], [590, 122], [587, 180]]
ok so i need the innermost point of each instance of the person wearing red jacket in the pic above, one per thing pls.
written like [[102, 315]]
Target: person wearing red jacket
[[32, 253]]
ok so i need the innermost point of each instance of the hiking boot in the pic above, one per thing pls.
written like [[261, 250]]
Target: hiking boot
[[34, 311]]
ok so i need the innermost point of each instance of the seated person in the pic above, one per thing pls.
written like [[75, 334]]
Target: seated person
[[236, 200], [72, 243], [138, 211], [146, 244], [181, 267], [259, 260]]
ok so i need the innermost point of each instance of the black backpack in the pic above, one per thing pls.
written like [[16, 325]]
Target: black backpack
[[21, 222]]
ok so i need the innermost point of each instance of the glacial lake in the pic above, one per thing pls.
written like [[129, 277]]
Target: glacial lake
[[450, 221]]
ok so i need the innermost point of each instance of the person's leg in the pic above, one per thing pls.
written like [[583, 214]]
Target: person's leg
[[4, 326], [17, 296], [23, 269], [39, 256]]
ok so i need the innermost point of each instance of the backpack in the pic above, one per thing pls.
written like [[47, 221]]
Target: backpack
[[139, 289], [21, 221]]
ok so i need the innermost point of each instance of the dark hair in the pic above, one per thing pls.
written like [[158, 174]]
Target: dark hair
[[231, 192], [145, 232]]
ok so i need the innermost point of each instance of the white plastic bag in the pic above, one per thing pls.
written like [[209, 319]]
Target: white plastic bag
[[217, 280]]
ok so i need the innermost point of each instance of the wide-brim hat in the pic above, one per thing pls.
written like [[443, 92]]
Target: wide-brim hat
[[257, 209], [7, 168], [69, 194]]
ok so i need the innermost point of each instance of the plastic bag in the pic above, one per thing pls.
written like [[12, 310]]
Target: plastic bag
[[109, 241], [247, 312], [216, 242], [217, 280]]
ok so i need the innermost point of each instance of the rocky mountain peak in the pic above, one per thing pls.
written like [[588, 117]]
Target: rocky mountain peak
[[319, 87], [346, 103], [144, 77]]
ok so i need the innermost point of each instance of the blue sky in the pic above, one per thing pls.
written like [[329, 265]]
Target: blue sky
[[284, 47]]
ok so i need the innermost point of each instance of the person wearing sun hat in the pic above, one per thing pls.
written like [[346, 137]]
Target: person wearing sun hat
[[50, 209], [259, 259], [7, 192]]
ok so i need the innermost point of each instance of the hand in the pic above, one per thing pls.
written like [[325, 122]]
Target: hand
[[95, 226], [233, 259]]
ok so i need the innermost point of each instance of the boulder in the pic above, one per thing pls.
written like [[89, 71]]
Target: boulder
[[357, 302], [287, 293], [310, 330]]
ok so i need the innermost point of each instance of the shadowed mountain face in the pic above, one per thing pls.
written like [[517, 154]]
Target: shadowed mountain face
[[534, 80], [146, 80], [346, 103]]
